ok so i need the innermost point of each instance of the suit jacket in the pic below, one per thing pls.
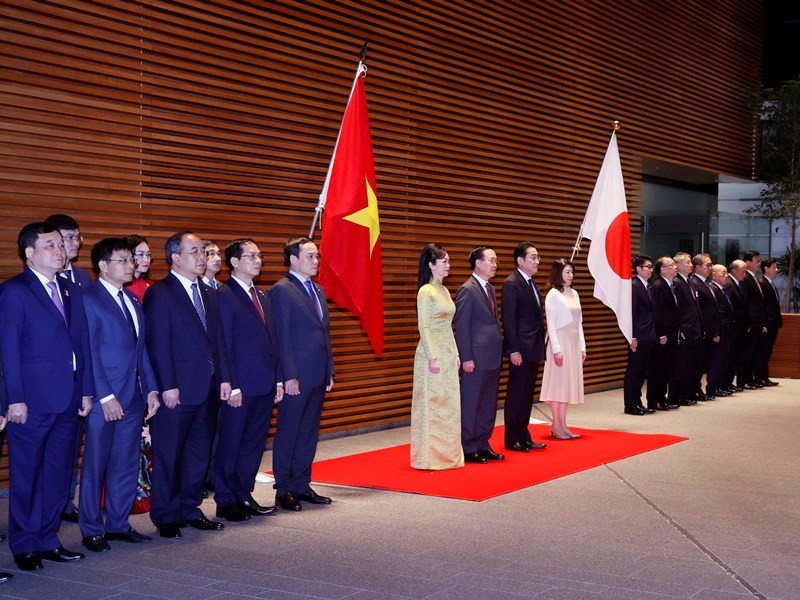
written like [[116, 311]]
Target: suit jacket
[[3, 396], [709, 311], [737, 299], [121, 364], [754, 301], [37, 345], [303, 338], [667, 317], [250, 342], [689, 309], [725, 307], [522, 319], [772, 305], [184, 355], [643, 308], [82, 277], [478, 334]]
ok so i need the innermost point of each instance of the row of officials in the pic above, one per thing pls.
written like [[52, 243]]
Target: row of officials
[[693, 318], [193, 357]]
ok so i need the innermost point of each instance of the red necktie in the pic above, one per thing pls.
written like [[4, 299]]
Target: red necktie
[[257, 303], [489, 296]]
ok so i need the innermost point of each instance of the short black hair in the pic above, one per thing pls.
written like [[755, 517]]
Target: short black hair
[[292, 248], [750, 255], [521, 251], [105, 248], [173, 244], [62, 222], [476, 254], [30, 233], [134, 240], [235, 249], [767, 263], [639, 261]]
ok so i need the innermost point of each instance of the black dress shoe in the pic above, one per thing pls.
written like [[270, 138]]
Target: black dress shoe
[[203, 524], [474, 457], [60, 554], [132, 536], [686, 402], [70, 514], [721, 393], [735, 388], [232, 513], [251, 507], [28, 561], [634, 410], [769, 383], [671, 406], [169, 531], [518, 447], [95, 543], [752, 386], [5, 577], [491, 455], [535, 445], [661, 406], [313, 497], [287, 501], [647, 411]]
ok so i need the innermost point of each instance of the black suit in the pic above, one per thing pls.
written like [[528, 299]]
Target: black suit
[[740, 327], [772, 307], [691, 327], [716, 378], [756, 322], [644, 331], [524, 333], [709, 317], [190, 357], [667, 320]]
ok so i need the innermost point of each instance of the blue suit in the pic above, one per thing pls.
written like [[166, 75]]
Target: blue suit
[[191, 358], [305, 353], [253, 353], [46, 366], [121, 367]]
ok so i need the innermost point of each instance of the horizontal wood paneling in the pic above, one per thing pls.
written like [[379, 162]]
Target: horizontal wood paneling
[[489, 124]]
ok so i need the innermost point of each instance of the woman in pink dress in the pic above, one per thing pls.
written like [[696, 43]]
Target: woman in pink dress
[[562, 383]]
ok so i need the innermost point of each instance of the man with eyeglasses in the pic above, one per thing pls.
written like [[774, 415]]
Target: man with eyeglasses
[[193, 375], [250, 338], [480, 347], [71, 234], [213, 263], [667, 319], [125, 387], [643, 339], [44, 343], [524, 344], [709, 316]]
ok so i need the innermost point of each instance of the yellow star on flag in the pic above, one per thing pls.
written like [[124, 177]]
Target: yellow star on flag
[[368, 217]]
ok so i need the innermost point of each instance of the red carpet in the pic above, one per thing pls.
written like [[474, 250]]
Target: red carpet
[[388, 469]]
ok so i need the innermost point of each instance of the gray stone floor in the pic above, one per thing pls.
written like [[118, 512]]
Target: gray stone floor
[[713, 518]]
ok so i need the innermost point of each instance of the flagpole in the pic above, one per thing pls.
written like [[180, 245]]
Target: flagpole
[[576, 248], [361, 70]]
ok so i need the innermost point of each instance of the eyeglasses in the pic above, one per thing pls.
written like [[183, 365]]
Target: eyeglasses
[[143, 255], [253, 256], [535, 257], [130, 261], [647, 266], [195, 252], [73, 238]]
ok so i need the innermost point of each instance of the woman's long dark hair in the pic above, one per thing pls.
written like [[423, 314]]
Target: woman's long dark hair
[[134, 240], [430, 254], [556, 272]]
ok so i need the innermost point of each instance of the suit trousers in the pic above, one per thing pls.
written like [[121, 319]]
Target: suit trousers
[[661, 361], [478, 408], [181, 450], [744, 370], [636, 372], [40, 466], [519, 401], [680, 378], [296, 439], [717, 375], [764, 347], [242, 435], [110, 463]]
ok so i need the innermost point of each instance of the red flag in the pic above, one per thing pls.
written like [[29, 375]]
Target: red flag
[[606, 224], [351, 269]]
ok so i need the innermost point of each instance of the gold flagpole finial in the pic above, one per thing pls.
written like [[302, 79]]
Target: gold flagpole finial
[[617, 125]]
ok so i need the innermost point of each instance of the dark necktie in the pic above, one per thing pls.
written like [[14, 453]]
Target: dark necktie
[[532, 285], [127, 313], [491, 299], [314, 297], [259, 308], [55, 296], [198, 305]]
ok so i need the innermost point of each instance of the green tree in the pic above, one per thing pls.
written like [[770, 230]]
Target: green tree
[[778, 114]]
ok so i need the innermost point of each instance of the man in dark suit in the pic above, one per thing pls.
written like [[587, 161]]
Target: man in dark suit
[[3, 409], [188, 355], [125, 385], [691, 332], [772, 306], [737, 271], [71, 234], [756, 321], [480, 347], [44, 343], [306, 358], [644, 337], [249, 330], [667, 321], [718, 363], [524, 344], [709, 318]]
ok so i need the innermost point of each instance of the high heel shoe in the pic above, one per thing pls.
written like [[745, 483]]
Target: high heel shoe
[[559, 437]]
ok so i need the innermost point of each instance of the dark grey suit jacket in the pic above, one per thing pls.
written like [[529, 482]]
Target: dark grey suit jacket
[[478, 334]]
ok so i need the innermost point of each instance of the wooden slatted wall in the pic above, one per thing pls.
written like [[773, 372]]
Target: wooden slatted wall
[[489, 123]]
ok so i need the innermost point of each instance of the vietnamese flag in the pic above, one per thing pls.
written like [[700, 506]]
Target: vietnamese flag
[[606, 224], [351, 266]]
